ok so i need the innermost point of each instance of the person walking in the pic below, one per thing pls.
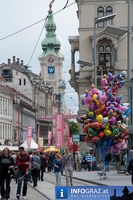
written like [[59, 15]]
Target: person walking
[[125, 160], [93, 162], [58, 168], [118, 161], [6, 165], [107, 160], [67, 163], [130, 154], [35, 168], [89, 160], [43, 166], [130, 169], [23, 163], [78, 160]]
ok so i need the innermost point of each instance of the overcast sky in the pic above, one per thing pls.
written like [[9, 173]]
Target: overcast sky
[[16, 15]]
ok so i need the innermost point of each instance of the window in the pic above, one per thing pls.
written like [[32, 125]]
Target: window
[[7, 74], [101, 49], [20, 81], [104, 59], [109, 11], [101, 11], [24, 81], [108, 48]]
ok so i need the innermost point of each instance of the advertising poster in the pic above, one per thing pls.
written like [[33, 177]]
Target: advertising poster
[[94, 193]]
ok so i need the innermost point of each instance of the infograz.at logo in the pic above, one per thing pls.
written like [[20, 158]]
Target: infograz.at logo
[[61, 193]]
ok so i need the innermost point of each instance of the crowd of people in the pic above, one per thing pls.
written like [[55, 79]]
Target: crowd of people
[[22, 166], [27, 167]]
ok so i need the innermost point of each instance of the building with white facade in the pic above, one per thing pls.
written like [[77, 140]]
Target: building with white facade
[[6, 113]]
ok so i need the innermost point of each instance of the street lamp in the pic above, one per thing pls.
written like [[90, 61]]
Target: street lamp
[[85, 63], [96, 21], [129, 42]]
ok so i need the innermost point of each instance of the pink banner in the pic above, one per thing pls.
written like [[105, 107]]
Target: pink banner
[[29, 136], [49, 137], [59, 135], [38, 136], [67, 127]]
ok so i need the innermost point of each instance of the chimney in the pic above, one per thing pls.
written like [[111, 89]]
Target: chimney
[[21, 64], [17, 61], [9, 61], [14, 60]]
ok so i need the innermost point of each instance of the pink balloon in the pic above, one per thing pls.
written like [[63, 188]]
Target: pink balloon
[[104, 82], [122, 108], [94, 91], [92, 106], [103, 97], [88, 99], [112, 121]]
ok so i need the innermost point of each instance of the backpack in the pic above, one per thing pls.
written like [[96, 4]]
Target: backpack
[[35, 164]]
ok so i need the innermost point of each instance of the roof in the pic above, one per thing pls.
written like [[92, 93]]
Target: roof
[[33, 144], [115, 31]]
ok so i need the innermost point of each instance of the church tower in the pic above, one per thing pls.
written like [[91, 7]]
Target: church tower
[[51, 62]]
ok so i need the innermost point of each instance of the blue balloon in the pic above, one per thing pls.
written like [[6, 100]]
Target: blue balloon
[[127, 111]]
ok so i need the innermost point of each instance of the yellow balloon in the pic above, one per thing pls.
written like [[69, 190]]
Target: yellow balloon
[[90, 114], [107, 132], [127, 120], [95, 98], [107, 127], [99, 118]]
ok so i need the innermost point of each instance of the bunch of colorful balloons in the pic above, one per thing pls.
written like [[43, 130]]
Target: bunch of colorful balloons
[[106, 120]]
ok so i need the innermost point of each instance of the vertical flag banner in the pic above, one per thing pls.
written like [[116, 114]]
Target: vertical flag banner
[[29, 135], [59, 132], [49, 137], [41, 141], [21, 135], [38, 136], [67, 128]]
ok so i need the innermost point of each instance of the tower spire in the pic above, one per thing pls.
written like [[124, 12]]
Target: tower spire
[[50, 44]]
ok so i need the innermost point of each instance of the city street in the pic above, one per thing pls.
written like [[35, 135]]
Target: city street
[[46, 189]]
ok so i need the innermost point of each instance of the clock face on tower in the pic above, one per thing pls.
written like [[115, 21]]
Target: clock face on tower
[[50, 59]]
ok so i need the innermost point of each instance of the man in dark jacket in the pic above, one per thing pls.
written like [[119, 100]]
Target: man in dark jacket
[[43, 165], [130, 169]]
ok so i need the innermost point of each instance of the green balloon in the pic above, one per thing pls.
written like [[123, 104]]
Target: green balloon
[[115, 131]]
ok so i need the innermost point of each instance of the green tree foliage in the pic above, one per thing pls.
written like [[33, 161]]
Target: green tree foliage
[[74, 128]]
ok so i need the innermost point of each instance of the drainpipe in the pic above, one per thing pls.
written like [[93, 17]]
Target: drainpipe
[[18, 126]]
